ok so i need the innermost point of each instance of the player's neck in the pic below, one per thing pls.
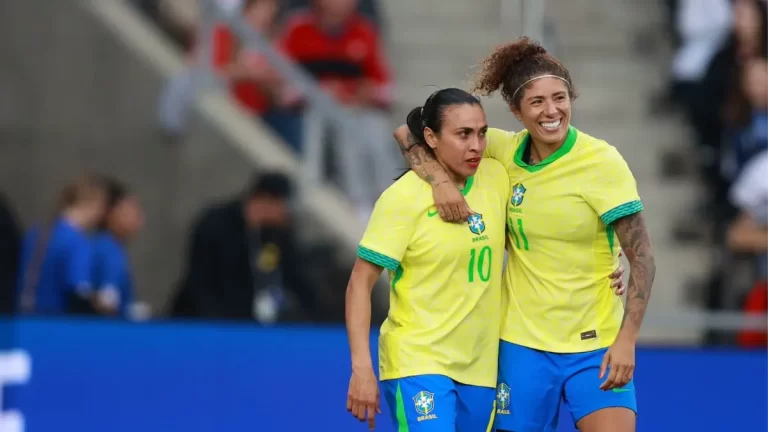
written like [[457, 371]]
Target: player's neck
[[541, 151], [457, 179]]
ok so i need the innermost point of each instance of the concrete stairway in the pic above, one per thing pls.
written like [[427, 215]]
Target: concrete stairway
[[434, 43]]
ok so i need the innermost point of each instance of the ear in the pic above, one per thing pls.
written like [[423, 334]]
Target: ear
[[430, 137]]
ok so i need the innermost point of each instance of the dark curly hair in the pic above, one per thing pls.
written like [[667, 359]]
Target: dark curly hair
[[513, 64]]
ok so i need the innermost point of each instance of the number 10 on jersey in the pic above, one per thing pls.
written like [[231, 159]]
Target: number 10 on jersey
[[480, 263]]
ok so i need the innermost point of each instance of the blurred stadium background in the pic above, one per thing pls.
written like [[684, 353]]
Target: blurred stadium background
[[204, 108]]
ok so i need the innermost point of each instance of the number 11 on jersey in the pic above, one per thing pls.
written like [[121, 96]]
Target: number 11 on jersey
[[480, 262], [519, 226]]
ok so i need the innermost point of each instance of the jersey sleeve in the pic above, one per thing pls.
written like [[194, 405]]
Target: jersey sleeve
[[389, 230], [610, 187], [497, 146]]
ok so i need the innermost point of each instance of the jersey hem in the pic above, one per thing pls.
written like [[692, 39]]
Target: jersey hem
[[412, 373], [623, 210], [543, 348], [377, 258]]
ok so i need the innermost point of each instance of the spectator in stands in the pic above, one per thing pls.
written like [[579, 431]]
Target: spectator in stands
[[368, 8], [10, 241], [745, 121], [343, 51], [748, 234], [243, 261], [703, 27], [256, 86], [717, 39], [112, 280], [55, 268], [700, 71], [748, 117]]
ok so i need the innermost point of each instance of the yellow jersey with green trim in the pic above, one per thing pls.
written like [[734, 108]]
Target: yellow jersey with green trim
[[445, 298], [561, 241]]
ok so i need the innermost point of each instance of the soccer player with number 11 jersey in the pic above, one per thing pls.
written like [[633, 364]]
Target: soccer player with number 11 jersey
[[565, 338]]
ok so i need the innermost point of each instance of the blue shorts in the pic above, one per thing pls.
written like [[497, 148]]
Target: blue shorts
[[436, 403], [533, 383]]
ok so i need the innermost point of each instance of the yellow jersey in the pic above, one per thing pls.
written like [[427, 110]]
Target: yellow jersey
[[445, 298], [561, 242]]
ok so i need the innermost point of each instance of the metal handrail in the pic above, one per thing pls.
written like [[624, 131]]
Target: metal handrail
[[213, 12]]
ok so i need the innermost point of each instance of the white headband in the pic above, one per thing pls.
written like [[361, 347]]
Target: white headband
[[539, 77]]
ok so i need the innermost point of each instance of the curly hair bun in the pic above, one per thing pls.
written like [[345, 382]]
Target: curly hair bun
[[512, 64]]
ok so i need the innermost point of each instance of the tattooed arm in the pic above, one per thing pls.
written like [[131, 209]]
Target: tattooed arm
[[620, 357], [636, 243], [449, 201], [419, 159]]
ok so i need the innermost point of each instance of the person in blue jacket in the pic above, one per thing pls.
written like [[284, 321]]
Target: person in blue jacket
[[55, 265], [111, 272]]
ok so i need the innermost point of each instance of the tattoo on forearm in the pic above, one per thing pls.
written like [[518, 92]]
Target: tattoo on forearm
[[636, 244], [419, 159]]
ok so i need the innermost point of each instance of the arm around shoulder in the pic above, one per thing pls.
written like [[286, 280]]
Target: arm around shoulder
[[449, 201], [421, 161]]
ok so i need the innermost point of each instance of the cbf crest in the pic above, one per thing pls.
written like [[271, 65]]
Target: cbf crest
[[476, 224], [502, 399], [518, 194], [424, 402]]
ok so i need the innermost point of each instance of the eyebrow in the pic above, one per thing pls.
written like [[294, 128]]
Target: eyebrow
[[557, 93], [470, 129]]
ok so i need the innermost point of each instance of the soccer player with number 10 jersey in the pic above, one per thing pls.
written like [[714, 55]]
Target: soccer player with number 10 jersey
[[438, 348]]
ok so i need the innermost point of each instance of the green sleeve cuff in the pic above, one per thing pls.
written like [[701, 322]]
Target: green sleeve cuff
[[621, 211], [379, 259]]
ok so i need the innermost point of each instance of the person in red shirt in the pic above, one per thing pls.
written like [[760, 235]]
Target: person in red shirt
[[256, 86], [342, 50]]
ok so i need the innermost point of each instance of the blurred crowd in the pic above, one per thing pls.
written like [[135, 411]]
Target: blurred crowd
[[719, 81], [337, 43], [243, 261]]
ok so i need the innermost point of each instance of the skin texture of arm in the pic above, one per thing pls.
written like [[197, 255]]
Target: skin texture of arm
[[358, 311], [363, 394], [636, 244]]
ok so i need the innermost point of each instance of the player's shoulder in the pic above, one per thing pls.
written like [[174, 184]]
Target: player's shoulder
[[491, 168], [406, 192], [592, 149], [505, 136]]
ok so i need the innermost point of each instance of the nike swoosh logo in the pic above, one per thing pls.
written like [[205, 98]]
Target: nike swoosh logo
[[431, 213], [621, 390]]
